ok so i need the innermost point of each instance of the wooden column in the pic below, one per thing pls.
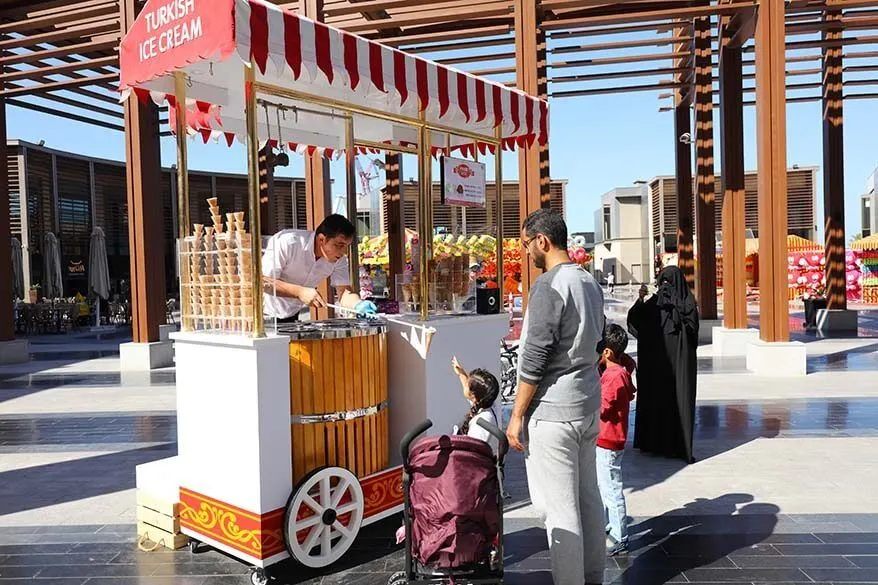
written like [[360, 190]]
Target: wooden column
[[531, 77], [145, 221], [318, 192], [7, 327], [833, 163], [771, 144], [395, 224], [705, 223], [683, 162], [731, 113]]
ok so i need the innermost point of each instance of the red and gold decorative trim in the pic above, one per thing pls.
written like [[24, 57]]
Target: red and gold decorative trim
[[382, 491], [257, 535]]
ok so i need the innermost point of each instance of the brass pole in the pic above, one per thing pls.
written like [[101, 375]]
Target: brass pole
[[476, 150], [183, 224], [498, 185], [385, 147], [275, 90], [253, 199], [182, 155], [350, 162], [425, 216]]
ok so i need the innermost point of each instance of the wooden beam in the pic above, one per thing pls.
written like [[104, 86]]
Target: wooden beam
[[393, 194], [659, 42], [456, 12], [648, 15], [611, 30], [833, 166], [618, 60], [683, 174], [73, 32], [731, 111], [771, 147], [615, 75], [63, 114], [76, 49], [477, 58], [84, 65], [7, 325], [60, 15], [56, 85], [463, 31], [440, 47], [145, 221], [532, 78], [705, 182], [83, 105]]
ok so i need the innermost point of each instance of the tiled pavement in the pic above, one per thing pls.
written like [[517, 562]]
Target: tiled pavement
[[784, 490]]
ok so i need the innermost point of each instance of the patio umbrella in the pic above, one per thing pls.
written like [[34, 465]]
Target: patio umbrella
[[17, 273], [98, 271], [52, 282]]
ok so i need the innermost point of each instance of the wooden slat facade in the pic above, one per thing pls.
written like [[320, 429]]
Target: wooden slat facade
[[802, 211], [75, 210]]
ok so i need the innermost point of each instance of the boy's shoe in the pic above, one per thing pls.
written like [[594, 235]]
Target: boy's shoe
[[619, 548]]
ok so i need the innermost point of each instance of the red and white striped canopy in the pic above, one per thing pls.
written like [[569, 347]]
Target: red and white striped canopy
[[204, 37]]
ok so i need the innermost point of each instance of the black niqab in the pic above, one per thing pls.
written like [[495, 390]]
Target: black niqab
[[666, 328]]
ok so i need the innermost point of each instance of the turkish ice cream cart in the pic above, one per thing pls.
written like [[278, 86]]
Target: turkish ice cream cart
[[285, 439]]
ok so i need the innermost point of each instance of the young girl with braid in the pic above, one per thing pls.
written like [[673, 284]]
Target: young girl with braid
[[481, 388]]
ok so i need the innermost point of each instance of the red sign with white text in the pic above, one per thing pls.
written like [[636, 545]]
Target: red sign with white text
[[170, 34]]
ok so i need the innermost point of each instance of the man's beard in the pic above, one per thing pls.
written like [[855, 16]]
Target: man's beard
[[540, 260]]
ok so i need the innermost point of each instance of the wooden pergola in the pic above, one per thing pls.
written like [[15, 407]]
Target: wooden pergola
[[60, 58]]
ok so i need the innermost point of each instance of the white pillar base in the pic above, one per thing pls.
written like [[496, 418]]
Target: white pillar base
[[142, 357], [14, 352], [837, 320], [788, 359], [732, 342], [705, 330]]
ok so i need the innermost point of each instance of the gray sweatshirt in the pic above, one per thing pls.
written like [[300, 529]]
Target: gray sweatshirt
[[558, 347]]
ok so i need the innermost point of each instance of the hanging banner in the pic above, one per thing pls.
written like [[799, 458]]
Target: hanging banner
[[463, 182]]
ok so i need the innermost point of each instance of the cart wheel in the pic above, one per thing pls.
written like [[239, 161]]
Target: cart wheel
[[323, 516], [398, 579], [193, 546], [258, 576]]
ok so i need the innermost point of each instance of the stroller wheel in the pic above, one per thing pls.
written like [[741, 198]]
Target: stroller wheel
[[258, 576], [398, 579], [323, 516]]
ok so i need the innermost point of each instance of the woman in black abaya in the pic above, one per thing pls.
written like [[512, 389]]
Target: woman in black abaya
[[666, 328]]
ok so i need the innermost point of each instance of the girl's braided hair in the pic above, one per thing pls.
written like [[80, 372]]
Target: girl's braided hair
[[484, 388]]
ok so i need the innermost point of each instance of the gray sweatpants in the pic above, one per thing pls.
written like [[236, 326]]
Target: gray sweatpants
[[562, 479]]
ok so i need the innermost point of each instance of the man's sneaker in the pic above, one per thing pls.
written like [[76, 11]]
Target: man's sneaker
[[619, 548]]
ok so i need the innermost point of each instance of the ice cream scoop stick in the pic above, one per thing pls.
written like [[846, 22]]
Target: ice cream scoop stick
[[428, 331]]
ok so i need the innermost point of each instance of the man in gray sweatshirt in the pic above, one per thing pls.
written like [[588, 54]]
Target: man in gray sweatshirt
[[555, 420]]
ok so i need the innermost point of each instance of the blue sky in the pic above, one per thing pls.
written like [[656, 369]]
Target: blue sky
[[596, 143]]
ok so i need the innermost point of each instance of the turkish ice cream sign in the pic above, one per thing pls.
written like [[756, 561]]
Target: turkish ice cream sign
[[463, 182], [169, 34], [170, 25]]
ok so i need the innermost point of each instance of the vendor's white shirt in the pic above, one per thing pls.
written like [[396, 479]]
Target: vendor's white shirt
[[289, 256]]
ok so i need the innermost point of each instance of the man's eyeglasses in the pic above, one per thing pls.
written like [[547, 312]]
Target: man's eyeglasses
[[525, 244]]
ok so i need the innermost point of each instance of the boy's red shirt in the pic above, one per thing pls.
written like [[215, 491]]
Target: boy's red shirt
[[617, 392]]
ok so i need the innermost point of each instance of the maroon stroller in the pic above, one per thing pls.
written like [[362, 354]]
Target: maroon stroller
[[453, 508]]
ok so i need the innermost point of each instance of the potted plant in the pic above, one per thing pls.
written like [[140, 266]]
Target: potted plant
[[34, 293], [814, 299]]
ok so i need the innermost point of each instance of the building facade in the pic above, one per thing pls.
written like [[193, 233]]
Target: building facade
[[801, 207], [621, 228], [869, 207], [69, 195]]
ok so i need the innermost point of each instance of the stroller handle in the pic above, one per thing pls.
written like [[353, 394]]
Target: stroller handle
[[503, 446], [410, 436]]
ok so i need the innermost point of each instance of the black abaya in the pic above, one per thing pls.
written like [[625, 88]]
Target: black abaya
[[666, 328]]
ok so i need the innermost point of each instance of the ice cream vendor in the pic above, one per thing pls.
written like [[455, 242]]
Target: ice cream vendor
[[295, 262]]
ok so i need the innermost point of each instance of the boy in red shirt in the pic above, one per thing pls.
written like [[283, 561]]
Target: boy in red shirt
[[617, 392]]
